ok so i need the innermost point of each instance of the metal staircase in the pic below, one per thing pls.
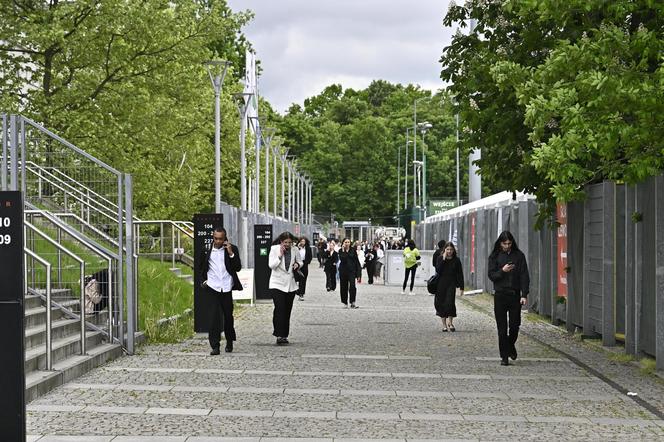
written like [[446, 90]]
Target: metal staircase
[[78, 222]]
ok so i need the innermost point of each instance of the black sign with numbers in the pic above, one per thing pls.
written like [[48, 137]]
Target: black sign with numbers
[[204, 225], [12, 351], [262, 244]]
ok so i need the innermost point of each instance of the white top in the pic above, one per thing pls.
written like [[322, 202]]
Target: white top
[[218, 277], [303, 253], [282, 272]]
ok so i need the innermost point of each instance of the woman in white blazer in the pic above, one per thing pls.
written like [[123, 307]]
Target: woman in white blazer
[[284, 259]]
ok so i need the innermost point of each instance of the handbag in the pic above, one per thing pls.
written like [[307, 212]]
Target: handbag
[[299, 276], [432, 283]]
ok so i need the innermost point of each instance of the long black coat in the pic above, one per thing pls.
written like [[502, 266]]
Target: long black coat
[[451, 273], [349, 264], [233, 265]]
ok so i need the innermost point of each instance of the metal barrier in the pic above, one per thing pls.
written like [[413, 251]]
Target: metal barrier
[[49, 334]]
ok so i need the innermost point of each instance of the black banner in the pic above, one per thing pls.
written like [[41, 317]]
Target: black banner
[[204, 225], [262, 244], [12, 351]]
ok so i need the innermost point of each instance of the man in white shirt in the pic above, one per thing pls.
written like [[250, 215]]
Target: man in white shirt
[[219, 269]]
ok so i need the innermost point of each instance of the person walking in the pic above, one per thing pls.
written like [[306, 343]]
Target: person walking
[[439, 251], [360, 251], [350, 270], [511, 282], [322, 247], [450, 276], [370, 260], [330, 268], [219, 266], [411, 257], [304, 250], [284, 259]]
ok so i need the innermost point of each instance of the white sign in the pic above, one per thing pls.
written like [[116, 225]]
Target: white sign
[[246, 277]]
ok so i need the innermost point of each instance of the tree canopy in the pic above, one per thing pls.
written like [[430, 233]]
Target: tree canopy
[[559, 94]]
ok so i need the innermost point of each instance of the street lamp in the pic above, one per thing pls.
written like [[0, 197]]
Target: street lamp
[[267, 135], [424, 127], [220, 67], [242, 102]]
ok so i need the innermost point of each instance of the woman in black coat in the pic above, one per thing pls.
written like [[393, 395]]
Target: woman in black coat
[[305, 253], [349, 271], [450, 277], [330, 266]]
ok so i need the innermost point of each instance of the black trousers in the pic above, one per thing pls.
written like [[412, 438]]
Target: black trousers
[[303, 284], [331, 279], [371, 271], [283, 305], [504, 305], [347, 287], [412, 271], [221, 306]]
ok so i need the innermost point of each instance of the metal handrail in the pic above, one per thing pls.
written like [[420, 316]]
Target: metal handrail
[[49, 334], [96, 249], [86, 224], [81, 262], [176, 226]]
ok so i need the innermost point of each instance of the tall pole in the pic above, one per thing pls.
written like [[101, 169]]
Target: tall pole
[[458, 187], [267, 179], [274, 183], [217, 82], [290, 192], [283, 187], [243, 105], [414, 151], [405, 169], [257, 184]]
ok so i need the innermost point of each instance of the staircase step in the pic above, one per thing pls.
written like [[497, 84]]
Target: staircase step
[[35, 358], [36, 336], [40, 382], [31, 301]]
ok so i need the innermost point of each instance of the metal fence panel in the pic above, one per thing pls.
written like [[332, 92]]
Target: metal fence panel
[[647, 308], [593, 253]]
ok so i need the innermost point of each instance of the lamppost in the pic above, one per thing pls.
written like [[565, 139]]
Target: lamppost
[[242, 102], [405, 168], [284, 157], [221, 66], [267, 135], [424, 127], [415, 139]]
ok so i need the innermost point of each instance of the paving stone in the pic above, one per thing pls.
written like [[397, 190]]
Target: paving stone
[[383, 372]]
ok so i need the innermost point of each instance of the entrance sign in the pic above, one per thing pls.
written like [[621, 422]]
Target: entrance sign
[[204, 225], [12, 351], [262, 272]]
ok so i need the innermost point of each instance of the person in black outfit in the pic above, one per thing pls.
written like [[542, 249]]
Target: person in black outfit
[[322, 248], [509, 272], [448, 267], [349, 271], [330, 267], [306, 256], [439, 251], [219, 266], [370, 260]]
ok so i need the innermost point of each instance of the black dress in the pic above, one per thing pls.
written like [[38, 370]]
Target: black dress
[[451, 277]]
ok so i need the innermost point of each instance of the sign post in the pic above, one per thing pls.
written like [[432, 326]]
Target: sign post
[[262, 244], [204, 225], [12, 352]]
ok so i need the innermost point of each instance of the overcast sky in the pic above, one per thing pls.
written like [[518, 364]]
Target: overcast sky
[[306, 45]]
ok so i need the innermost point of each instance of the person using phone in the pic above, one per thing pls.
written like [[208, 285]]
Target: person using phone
[[411, 257], [511, 282], [219, 266], [304, 249], [284, 260]]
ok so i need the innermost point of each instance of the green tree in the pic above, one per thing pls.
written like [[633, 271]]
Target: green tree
[[124, 80]]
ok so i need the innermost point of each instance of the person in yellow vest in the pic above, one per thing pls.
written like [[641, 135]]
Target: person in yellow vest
[[411, 260]]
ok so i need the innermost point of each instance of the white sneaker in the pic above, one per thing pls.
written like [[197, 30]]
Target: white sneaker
[[411, 293], [402, 292], [301, 298]]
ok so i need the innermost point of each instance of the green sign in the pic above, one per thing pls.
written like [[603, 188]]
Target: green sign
[[263, 251], [440, 206]]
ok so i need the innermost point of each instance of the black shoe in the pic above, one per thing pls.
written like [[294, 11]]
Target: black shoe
[[215, 351], [282, 341], [452, 329], [504, 361], [513, 354], [229, 348]]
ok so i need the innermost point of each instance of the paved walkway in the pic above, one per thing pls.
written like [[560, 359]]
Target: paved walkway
[[383, 371]]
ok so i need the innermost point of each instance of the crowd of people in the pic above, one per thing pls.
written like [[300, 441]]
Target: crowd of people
[[344, 262]]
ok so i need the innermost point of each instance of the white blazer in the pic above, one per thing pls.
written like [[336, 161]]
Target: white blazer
[[282, 272]]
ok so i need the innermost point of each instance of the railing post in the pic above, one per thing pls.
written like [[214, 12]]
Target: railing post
[[82, 286], [13, 154], [161, 242], [132, 315], [59, 239], [4, 164], [173, 245]]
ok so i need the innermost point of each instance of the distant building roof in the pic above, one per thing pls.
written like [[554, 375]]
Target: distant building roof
[[495, 200]]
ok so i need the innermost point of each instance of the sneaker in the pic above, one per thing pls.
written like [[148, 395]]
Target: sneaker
[[301, 297], [215, 351], [282, 341], [411, 293], [345, 305], [403, 292], [504, 361], [513, 354], [353, 306]]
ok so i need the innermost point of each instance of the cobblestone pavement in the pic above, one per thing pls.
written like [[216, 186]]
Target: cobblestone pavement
[[383, 371]]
